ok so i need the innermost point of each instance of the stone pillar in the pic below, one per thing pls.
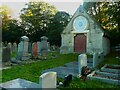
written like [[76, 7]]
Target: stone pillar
[[82, 61]]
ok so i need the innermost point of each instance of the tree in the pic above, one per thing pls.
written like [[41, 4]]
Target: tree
[[14, 31], [11, 30], [36, 17], [107, 14], [57, 25]]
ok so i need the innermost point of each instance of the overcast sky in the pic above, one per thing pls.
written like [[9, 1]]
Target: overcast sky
[[62, 5]]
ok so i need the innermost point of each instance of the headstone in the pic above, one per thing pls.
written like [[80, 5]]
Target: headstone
[[67, 80], [20, 51], [48, 46], [39, 47], [30, 47], [9, 45], [48, 80], [82, 61], [6, 54], [44, 48], [25, 40], [14, 47], [35, 50]]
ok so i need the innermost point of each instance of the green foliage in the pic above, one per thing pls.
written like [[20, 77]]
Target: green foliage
[[36, 17], [107, 13], [12, 32], [110, 59], [57, 25], [33, 71]]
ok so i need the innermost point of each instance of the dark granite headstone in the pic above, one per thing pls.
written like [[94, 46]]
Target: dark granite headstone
[[6, 53], [30, 47], [67, 80]]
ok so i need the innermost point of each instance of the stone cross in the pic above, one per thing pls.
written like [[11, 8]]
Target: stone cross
[[82, 61]]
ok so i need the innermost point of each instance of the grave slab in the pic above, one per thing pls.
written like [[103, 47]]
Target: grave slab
[[19, 83]]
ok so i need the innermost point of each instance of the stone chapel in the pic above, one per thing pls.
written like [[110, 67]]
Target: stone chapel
[[83, 34]]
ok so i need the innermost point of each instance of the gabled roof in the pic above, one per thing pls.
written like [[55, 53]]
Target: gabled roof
[[82, 11]]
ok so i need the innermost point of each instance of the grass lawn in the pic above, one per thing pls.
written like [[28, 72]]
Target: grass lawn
[[32, 71]]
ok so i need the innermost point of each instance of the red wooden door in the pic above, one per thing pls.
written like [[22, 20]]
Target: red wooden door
[[80, 43]]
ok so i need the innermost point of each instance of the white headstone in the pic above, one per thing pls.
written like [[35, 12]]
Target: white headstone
[[48, 80], [82, 61]]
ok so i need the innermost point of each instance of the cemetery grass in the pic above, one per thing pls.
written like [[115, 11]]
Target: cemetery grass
[[33, 70], [109, 59]]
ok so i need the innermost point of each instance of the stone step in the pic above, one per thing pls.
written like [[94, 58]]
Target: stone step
[[106, 80], [114, 71], [109, 75]]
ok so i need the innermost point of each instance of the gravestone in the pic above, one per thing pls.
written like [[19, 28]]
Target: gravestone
[[20, 51], [67, 80], [39, 47], [44, 48], [14, 47], [30, 47], [9, 45], [82, 61], [6, 54], [48, 45], [35, 50], [25, 40], [48, 80]]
